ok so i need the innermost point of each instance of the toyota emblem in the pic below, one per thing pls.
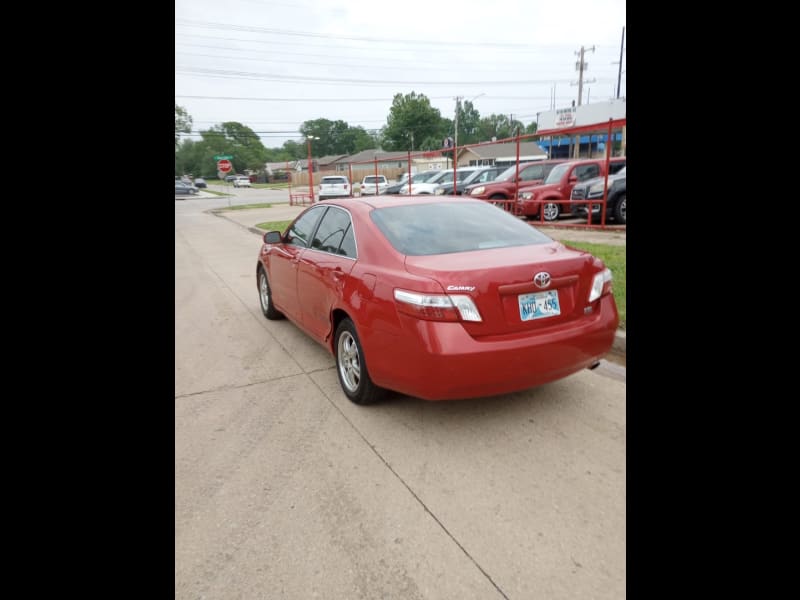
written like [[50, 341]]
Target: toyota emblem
[[542, 279]]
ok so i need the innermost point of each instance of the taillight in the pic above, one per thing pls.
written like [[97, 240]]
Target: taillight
[[601, 285], [437, 307]]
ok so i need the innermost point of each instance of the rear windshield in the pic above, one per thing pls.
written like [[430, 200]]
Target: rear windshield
[[373, 179], [447, 227], [334, 180]]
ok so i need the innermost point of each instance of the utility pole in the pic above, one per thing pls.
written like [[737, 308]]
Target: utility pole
[[455, 137], [581, 66], [455, 140], [621, 47]]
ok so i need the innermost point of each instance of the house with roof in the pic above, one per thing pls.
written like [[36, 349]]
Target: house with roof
[[500, 155], [365, 161]]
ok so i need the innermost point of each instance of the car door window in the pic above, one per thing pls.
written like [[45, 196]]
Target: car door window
[[299, 233], [332, 231]]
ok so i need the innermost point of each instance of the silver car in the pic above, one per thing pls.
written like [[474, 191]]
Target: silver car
[[182, 188]]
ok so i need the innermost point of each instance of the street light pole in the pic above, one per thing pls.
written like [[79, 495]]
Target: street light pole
[[310, 167]]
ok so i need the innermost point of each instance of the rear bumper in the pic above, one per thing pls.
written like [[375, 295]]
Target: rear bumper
[[441, 361]]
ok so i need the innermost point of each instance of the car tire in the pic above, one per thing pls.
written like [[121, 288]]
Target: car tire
[[551, 211], [351, 366], [265, 297], [620, 210], [498, 197]]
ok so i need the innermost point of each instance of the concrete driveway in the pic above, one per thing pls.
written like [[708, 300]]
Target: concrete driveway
[[285, 489]]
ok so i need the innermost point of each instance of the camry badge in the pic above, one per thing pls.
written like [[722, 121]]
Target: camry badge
[[542, 279], [460, 288]]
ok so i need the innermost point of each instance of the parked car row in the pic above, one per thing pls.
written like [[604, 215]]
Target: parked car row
[[549, 195], [545, 186]]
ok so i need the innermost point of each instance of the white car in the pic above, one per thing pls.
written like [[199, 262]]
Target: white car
[[441, 178], [374, 184], [242, 181], [334, 186]]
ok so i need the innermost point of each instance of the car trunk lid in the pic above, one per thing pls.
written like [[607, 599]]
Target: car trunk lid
[[503, 285]]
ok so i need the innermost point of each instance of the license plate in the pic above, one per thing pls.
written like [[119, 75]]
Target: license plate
[[539, 305]]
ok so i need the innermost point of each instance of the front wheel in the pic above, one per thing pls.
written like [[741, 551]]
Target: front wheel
[[351, 366], [620, 210], [551, 211], [498, 201]]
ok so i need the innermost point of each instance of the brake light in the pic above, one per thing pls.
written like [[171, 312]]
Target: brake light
[[601, 285], [437, 307]]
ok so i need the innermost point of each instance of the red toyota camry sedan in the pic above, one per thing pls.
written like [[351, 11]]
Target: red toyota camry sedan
[[436, 299]]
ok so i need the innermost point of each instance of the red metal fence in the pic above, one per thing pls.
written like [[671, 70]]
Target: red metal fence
[[380, 167]]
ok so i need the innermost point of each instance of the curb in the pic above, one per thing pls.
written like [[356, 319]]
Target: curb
[[618, 347]]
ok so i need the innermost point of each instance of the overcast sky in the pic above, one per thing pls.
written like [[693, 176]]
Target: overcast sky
[[272, 65]]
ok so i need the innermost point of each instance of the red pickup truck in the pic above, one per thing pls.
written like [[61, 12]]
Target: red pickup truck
[[558, 186]]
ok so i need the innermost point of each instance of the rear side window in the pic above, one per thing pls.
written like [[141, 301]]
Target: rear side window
[[616, 167], [584, 172]]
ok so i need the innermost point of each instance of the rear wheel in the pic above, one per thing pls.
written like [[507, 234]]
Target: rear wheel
[[351, 366], [265, 297], [620, 210], [551, 211]]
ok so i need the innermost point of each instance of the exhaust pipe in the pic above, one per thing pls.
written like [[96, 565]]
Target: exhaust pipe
[[594, 366]]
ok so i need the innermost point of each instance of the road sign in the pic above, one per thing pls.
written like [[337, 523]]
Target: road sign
[[224, 165], [223, 157]]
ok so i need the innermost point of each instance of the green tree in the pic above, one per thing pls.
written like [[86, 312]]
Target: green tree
[[183, 123], [238, 140], [469, 120], [412, 115], [499, 126], [358, 139], [295, 150], [335, 137]]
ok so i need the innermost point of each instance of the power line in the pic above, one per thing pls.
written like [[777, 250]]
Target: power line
[[299, 99], [446, 66], [540, 50], [307, 79], [231, 27]]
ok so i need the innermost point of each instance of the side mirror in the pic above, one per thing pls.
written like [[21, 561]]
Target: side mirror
[[272, 237], [573, 178]]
